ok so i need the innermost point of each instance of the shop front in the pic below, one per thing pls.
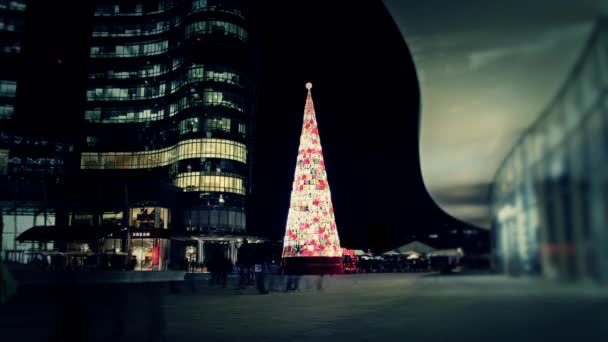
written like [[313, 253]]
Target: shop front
[[149, 238], [150, 249]]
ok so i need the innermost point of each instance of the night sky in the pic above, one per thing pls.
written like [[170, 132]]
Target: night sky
[[366, 97]]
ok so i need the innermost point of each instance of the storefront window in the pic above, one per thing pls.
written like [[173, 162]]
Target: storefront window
[[15, 225], [112, 218], [150, 251], [149, 217], [81, 219], [149, 254]]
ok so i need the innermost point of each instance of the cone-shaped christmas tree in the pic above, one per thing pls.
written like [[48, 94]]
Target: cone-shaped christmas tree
[[311, 244]]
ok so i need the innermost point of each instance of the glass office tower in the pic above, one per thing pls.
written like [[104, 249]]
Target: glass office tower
[[168, 104]]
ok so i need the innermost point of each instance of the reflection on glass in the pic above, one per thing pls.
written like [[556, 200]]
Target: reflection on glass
[[547, 198]]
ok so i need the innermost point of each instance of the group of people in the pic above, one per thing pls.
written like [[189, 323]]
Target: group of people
[[250, 261], [246, 262], [393, 264], [253, 265], [219, 266]]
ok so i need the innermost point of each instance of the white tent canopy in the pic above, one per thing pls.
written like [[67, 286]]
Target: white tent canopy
[[416, 247]]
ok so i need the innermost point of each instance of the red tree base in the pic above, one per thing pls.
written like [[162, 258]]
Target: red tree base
[[312, 265]]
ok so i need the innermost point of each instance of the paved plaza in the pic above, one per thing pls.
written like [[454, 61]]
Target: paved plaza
[[368, 307]]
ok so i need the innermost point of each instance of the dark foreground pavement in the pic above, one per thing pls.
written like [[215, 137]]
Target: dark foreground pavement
[[375, 307]]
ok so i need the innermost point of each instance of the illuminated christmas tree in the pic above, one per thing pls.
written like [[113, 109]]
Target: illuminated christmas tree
[[311, 238]]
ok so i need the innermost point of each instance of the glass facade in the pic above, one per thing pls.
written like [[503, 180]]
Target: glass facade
[[123, 115], [216, 27], [549, 199], [126, 72], [199, 181], [8, 88], [130, 50], [17, 223], [12, 24], [217, 219], [12, 20], [186, 149], [132, 9], [3, 162], [149, 217], [142, 112], [168, 90], [150, 254], [132, 29]]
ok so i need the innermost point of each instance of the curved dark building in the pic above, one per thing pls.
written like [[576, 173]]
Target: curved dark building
[[169, 107]]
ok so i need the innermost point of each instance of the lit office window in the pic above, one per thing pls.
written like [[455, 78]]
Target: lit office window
[[131, 30], [11, 46], [3, 161], [217, 125], [243, 129], [216, 27], [131, 9], [198, 73], [208, 98], [6, 111], [112, 115], [152, 70], [199, 5], [224, 99], [129, 50], [213, 73], [8, 88], [206, 5], [15, 5], [190, 125], [123, 94], [187, 149], [11, 24], [198, 181]]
